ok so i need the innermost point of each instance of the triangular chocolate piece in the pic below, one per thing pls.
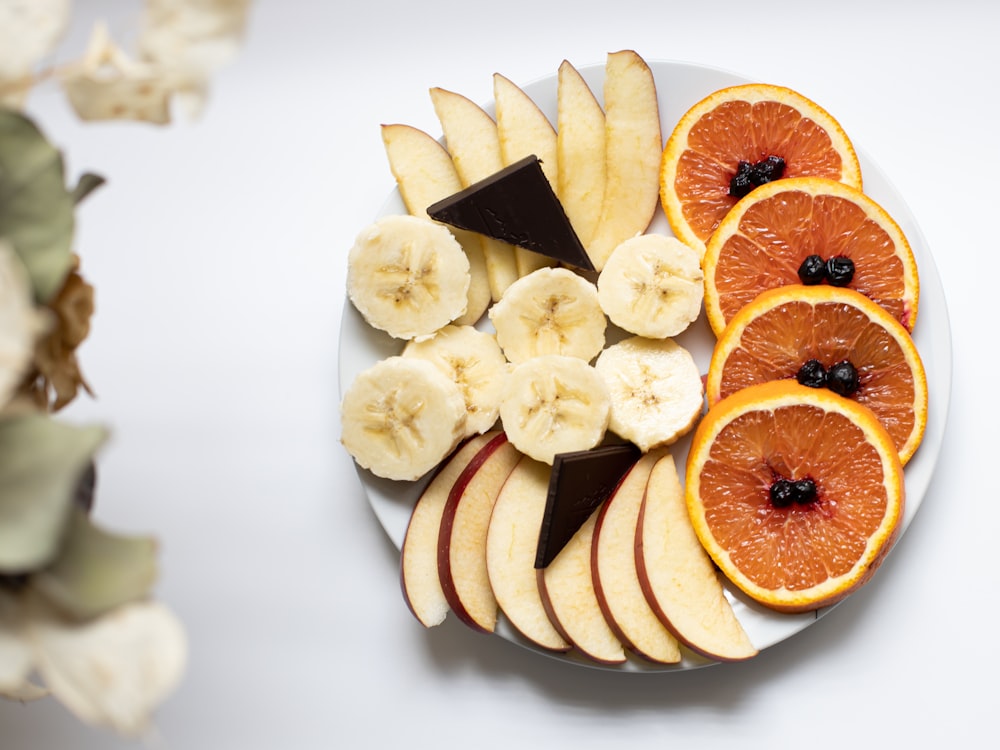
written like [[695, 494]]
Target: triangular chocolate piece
[[579, 483], [516, 205]]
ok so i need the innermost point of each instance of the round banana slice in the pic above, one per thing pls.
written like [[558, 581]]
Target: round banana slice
[[472, 359], [554, 404], [401, 417], [652, 285], [549, 311], [655, 387], [408, 276]]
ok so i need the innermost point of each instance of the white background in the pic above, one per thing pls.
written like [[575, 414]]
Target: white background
[[218, 253]]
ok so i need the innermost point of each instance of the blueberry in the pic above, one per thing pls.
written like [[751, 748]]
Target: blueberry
[[804, 491], [784, 492], [812, 271], [748, 176], [766, 170], [842, 378], [840, 270], [812, 374], [742, 182]]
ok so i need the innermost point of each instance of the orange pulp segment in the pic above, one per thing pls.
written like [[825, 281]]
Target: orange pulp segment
[[747, 123], [804, 555], [762, 242], [784, 328]]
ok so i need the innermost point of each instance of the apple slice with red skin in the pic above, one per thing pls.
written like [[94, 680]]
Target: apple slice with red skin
[[511, 546], [677, 575], [465, 520], [567, 588], [419, 578], [616, 578]]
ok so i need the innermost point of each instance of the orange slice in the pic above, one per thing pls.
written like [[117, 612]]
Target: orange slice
[[797, 329], [803, 552], [746, 123], [763, 241]]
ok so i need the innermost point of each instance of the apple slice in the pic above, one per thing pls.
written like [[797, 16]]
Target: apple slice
[[418, 557], [465, 520], [511, 543], [567, 588], [473, 141], [524, 130], [580, 147], [677, 575], [425, 174], [633, 149], [616, 578]]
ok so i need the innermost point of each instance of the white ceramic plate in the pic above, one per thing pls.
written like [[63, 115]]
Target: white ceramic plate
[[681, 85]]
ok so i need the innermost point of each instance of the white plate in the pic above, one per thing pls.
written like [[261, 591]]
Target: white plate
[[681, 85]]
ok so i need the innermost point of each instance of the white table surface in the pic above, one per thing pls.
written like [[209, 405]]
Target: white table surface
[[218, 253]]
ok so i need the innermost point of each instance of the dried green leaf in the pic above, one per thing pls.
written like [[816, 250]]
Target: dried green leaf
[[41, 463], [88, 183], [97, 570], [36, 209], [21, 323]]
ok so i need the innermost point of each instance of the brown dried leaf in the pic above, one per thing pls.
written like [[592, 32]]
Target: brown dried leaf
[[58, 378]]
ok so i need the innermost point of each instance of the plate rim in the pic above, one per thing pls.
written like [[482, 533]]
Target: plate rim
[[383, 495]]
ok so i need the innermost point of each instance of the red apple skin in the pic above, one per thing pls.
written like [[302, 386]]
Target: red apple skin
[[598, 644], [503, 452], [738, 646], [655, 642], [511, 551], [602, 596], [418, 573]]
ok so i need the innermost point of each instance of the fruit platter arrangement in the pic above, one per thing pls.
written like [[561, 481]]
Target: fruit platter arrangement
[[636, 390]]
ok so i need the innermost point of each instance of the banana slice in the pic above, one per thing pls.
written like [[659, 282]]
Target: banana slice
[[401, 417], [655, 388], [472, 359], [408, 276], [652, 285], [554, 404], [549, 311]]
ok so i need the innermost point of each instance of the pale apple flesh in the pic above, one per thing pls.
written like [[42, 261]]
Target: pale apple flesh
[[419, 578], [567, 587], [678, 577], [616, 578], [425, 174], [473, 142], [462, 537], [524, 130], [580, 147], [511, 545], [633, 149]]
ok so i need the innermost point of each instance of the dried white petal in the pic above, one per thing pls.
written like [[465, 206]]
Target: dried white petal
[[29, 30], [16, 660], [26, 691], [115, 670], [20, 321], [107, 85], [196, 36]]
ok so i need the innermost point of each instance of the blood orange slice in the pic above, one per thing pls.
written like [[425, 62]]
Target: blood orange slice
[[727, 143], [768, 236], [830, 337], [795, 492]]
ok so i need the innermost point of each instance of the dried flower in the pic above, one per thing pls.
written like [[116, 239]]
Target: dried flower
[[57, 378]]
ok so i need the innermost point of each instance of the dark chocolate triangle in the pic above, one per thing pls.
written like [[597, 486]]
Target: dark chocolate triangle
[[516, 205], [579, 483]]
